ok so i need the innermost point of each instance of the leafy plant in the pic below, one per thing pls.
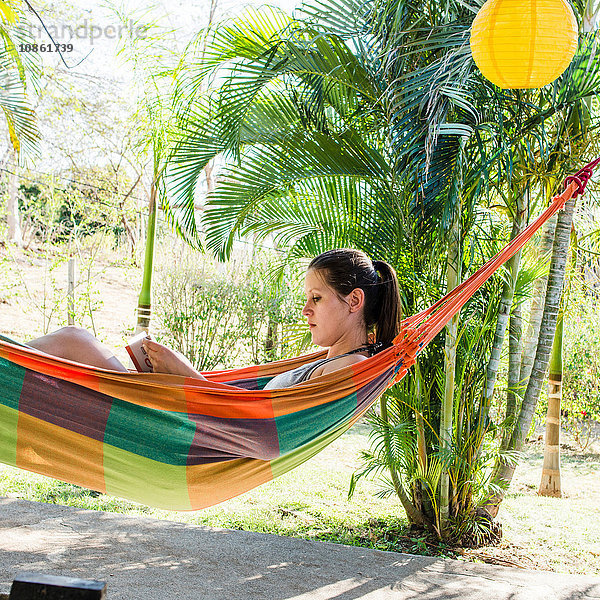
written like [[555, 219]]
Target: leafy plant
[[228, 319], [366, 124]]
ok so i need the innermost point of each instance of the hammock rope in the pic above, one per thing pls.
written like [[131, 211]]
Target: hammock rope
[[183, 443]]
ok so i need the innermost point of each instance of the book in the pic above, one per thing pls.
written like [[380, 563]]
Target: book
[[138, 355]]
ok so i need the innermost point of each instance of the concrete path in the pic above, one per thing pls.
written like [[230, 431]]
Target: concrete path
[[150, 559]]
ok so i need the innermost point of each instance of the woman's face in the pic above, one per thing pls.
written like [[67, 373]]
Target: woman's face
[[330, 318]]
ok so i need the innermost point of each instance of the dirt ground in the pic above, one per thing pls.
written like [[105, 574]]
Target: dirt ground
[[33, 295]]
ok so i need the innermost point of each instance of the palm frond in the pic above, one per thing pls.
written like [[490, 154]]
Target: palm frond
[[269, 173]]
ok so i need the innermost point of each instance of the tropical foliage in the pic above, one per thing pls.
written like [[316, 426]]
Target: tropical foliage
[[367, 124]]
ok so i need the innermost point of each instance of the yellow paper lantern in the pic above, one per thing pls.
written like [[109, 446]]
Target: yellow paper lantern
[[521, 44]]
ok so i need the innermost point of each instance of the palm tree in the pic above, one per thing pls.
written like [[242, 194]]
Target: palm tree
[[572, 144], [321, 153], [366, 124]]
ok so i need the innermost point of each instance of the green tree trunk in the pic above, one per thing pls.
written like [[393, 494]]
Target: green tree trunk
[[453, 277], [550, 483], [515, 330], [520, 364], [506, 302], [145, 298], [537, 302]]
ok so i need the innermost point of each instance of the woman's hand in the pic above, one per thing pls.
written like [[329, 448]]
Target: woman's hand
[[165, 360]]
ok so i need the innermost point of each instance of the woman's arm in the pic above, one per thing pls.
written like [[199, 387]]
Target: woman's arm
[[165, 360]]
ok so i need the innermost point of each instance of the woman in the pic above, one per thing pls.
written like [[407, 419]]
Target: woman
[[347, 296]]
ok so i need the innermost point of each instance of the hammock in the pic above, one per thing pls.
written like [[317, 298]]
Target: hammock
[[183, 444]]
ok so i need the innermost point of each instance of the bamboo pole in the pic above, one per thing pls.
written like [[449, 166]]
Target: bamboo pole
[[145, 298]]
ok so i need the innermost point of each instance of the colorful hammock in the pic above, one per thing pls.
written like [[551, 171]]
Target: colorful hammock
[[184, 444]]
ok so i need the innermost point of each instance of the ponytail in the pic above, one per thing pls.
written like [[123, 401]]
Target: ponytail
[[388, 314]]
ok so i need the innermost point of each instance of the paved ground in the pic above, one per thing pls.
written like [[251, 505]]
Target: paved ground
[[151, 559]]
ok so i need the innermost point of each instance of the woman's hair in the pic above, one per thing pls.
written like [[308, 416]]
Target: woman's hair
[[345, 269]]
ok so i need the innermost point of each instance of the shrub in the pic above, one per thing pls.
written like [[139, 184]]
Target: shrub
[[581, 362], [223, 320]]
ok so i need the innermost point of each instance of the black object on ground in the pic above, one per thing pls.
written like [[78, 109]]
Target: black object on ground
[[38, 586]]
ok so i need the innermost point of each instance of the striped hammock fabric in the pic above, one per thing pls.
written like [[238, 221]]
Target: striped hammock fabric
[[184, 444]]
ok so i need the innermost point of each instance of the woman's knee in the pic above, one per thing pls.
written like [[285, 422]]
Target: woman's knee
[[63, 342], [78, 344], [73, 333], [72, 339]]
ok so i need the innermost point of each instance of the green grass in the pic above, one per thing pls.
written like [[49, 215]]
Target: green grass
[[311, 502], [564, 533]]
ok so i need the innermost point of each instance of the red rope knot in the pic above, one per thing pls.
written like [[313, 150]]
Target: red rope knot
[[411, 347], [409, 361], [582, 177], [580, 184], [407, 349], [406, 356], [410, 335], [406, 339]]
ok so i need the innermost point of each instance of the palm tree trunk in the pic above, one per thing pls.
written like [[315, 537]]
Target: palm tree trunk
[[420, 498], [550, 483], [537, 302], [506, 302], [515, 330], [453, 276], [520, 364], [505, 472]]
